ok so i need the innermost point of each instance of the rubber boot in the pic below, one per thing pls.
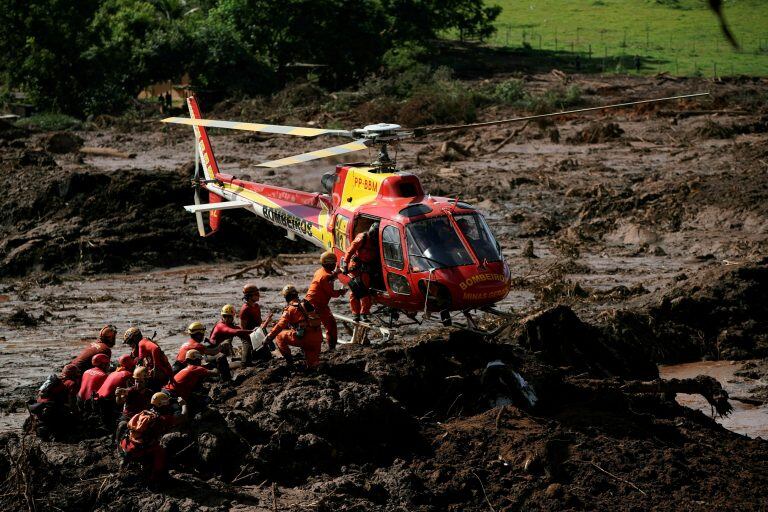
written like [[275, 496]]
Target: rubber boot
[[247, 353]]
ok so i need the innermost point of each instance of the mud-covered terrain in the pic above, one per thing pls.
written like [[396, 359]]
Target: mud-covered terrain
[[635, 238]]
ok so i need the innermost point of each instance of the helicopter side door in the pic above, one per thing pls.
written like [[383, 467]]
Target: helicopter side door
[[394, 263]]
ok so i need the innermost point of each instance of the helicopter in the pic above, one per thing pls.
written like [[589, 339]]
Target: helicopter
[[437, 255]]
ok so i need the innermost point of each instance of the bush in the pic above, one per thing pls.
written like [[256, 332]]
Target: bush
[[440, 100], [49, 121], [509, 91]]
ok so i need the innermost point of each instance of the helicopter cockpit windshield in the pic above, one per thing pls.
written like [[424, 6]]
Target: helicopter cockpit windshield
[[479, 236], [433, 243]]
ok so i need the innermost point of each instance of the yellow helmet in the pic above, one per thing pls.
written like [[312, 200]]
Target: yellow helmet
[[289, 290], [160, 399], [328, 258], [140, 373], [132, 335], [192, 354], [195, 327], [228, 310]]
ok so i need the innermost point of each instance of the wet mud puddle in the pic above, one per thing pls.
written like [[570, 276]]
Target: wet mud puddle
[[748, 419]]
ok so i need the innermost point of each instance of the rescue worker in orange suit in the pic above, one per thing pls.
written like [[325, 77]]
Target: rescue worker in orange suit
[[250, 318], [225, 329], [133, 399], [320, 293], [93, 378], [150, 355], [145, 430], [102, 346], [188, 381], [298, 327], [196, 331], [53, 412], [106, 394], [359, 261]]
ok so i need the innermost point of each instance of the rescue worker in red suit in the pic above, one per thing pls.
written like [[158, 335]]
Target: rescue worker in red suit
[[320, 293], [250, 318], [53, 412], [189, 381], [102, 346], [197, 341], [298, 327], [225, 329], [145, 430], [93, 378], [147, 353], [119, 378], [359, 261], [133, 399]]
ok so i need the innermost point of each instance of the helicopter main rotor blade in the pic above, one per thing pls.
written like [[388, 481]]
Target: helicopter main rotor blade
[[357, 145], [418, 132], [298, 131]]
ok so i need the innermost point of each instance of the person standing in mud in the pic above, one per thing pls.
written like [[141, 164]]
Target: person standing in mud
[[102, 346], [298, 327], [320, 293], [147, 353], [360, 258], [145, 430], [250, 318]]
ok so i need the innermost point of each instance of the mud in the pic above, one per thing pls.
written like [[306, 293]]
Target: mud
[[649, 248]]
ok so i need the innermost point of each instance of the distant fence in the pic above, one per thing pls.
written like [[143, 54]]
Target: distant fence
[[641, 50]]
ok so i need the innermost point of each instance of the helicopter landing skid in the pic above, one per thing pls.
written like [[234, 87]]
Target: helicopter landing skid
[[363, 333], [470, 323]]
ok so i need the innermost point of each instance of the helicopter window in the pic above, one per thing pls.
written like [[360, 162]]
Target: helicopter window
[[393, 249], [479, 236], [407, 190], [433, 243], [415, 210]]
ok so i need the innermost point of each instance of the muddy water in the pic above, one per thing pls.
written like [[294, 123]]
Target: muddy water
[[749, 420]]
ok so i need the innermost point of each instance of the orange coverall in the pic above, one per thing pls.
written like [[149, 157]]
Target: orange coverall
[[360, 256], [284, 334], [319, 295]]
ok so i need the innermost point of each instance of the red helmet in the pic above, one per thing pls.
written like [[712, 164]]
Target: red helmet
[[100, 360], [127, 362], [71, 371], [108, 334], [250, 288]]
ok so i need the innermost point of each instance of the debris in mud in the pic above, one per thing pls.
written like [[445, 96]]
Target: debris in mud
[[63, 142], [20, 318], [597, 132]]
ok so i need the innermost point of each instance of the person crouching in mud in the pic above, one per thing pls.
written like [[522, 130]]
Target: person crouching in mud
[[213, 355], [298, 327]]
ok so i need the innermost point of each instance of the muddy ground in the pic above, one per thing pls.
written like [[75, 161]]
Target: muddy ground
[[648, 229]]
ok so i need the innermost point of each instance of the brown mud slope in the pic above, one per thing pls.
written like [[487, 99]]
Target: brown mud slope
[[87, 221], [420, 427]]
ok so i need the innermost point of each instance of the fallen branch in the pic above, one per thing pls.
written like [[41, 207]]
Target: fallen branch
[[87, 150], [614, 476], [509, 138], [484, 493]]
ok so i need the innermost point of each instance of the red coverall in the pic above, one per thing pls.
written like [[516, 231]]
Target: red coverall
[[360, 256], [156, 362], [186, 381], [190, 344], [250, 316], [146, 448], [319, 295], [83, 360], [223, 332], [136, 400], [114, 380], [91, 382], [284, 334]]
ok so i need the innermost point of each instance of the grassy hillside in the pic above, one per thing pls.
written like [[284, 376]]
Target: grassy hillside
[[679, 36]]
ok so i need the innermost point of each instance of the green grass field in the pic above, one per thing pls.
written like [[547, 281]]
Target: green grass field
[[679, 36]]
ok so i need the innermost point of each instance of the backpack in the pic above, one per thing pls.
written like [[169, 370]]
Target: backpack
[[141, 426], [50, 383], [312, 318]]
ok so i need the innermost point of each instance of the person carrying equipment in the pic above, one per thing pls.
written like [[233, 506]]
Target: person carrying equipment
[[106, 394], [102, 346], [321, 292], [188, 381], [146, 351], [250, 318], [145, 430], [93, 378], [53, 412], [360, 258], [299, 326]]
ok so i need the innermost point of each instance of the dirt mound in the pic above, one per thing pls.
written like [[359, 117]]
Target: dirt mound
[[597, 132], [63, 142], [90, 221]]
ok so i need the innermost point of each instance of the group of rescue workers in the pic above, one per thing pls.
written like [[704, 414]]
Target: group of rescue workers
[[145, 396]]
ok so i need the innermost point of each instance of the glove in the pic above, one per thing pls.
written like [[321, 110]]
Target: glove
[[269, 344]]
